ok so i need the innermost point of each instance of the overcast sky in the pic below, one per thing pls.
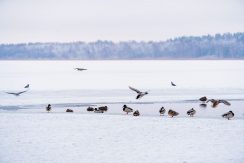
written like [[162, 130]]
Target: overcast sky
[[116, 20]]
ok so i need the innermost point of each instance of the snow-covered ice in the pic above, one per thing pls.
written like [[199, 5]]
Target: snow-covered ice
[[29, 134], [67, 137]]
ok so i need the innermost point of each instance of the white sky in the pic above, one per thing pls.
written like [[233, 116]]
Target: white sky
[[116, 20]]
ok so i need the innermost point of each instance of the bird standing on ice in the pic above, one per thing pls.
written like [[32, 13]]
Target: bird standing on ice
[[127, 109], [228, 115], [191, 112], [172, 113], [48, 108], [136, 113], [162, 111], [139, 93]]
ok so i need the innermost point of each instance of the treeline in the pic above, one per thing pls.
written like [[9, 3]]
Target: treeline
[[225, 46]]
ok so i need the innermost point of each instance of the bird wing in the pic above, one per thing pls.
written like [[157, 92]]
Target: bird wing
[[224, 102], [27, 86], [18, 93], [133, 89], [12, 93]]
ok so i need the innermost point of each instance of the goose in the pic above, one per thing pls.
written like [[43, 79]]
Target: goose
[[139, 93], [127, 109], [228, 115], [162, 111], [191, 112], [172, 113]]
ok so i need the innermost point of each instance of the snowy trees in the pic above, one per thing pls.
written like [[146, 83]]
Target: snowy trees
[[206, 47]]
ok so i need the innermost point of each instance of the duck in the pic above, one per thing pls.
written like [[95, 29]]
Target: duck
[[90, 108], [162, 111], [103, 108], [69, 110], [215, 103], [191, 112], [228, 115], [48, 108], [172, 113], [136, 113], [139, 93], [127, 109], [98, 111], [203, 99]]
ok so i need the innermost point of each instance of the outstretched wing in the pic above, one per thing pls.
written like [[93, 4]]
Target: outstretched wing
[[12, 93], [133, 89], [21, 92], [224, 102]]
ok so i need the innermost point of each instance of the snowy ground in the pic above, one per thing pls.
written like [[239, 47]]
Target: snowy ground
[[30, 135], [37, 136]]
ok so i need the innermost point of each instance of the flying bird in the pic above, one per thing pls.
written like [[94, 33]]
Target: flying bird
[[27, 86], [16, 93], [80, 69], [215, 103], [139, 93], [173, 84]]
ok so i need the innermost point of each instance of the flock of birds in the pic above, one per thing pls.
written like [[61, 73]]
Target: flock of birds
[[140, 94]]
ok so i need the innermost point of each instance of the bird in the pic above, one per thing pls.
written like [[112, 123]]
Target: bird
[[228, 115], [215, 103], [172, 113], [48, 108], [16, 93], [139, 93], [27, 86], [173, 84], [203, 99], [98, 111], [90, 109], [103, 108], [191, 112], [69, 110], [127, 109], [80, 69], [162, 111], [136, 113]]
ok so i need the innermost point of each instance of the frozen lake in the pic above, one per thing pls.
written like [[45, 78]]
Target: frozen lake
[[30, 134], [57, 82]]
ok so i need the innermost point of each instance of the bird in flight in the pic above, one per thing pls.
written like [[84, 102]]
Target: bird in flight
[[16, 93], [173, 84], [139, 93], [27, 86], [80, 69]]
